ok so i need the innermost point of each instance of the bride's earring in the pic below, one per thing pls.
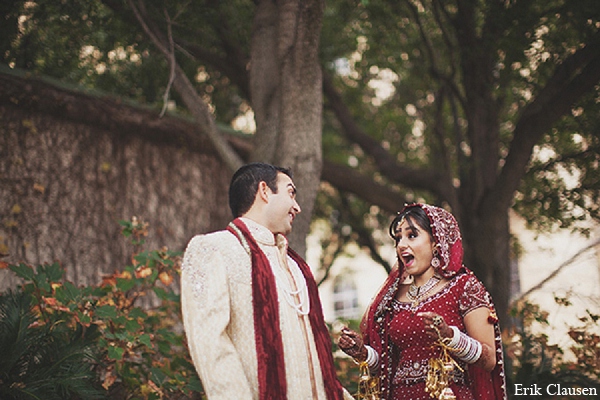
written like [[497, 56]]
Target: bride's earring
[[435, 261]]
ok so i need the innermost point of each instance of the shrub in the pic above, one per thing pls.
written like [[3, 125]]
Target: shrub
[[536, 361], [42, 356], [124, 336]]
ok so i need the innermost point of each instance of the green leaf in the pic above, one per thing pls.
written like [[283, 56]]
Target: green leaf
[[146, 340], [127, 228], [107, 311], [194, 384], [125, 284], [124, 336], [168, 335], [142, 258], [96, 291], [67, 293], [132, 325], [137, 312], [154, 275], [157, 376], [160, 292], [23, 271], [41, 281], [166, 295], [54, 272], [115, 353], [164, 347], [85, 319]]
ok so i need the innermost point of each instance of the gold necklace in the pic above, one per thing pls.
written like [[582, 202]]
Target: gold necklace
[[415, 293]]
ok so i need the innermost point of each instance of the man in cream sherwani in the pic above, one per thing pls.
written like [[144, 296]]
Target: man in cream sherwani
[[251, 311]]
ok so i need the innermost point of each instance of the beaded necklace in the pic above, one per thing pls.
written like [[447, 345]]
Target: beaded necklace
[[416, 293], [302, 307]]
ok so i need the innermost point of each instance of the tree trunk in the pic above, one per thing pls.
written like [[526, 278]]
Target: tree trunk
[[285, 84], [487, 254]]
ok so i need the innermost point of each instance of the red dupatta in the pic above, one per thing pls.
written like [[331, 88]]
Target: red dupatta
[[272, 383]]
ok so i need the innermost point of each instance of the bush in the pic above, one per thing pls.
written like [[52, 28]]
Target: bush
[[347, 369], [115, 342], [42, 356], [536, 361]]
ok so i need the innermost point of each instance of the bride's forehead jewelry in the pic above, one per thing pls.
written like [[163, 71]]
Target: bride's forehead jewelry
[[400, 222]]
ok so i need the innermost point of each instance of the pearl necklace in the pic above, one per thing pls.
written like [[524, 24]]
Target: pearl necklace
[[415, 293], [297, 299], [303, 306]]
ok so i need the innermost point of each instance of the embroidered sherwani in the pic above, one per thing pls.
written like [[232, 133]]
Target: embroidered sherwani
[[216, 298]]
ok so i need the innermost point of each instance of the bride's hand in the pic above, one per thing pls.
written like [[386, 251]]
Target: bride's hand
[[435, 326], [352, 344]]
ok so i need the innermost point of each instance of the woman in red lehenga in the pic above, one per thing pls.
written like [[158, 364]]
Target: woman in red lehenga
[[431, 312]]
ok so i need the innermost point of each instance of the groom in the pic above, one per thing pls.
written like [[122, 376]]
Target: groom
[[251, 308]]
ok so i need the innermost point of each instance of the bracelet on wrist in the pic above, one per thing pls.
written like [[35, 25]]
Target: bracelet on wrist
[[464, 347], [372, 357]]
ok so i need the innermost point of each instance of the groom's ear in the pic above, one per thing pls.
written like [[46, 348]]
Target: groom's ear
[[263, 191]]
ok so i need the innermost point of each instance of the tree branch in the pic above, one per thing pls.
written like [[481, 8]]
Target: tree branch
[[563, 77], [349, 180], [565, 157], [539, 117], [230, 65], [171, 66], [446, 79], [419, 179], [192, 100], [557, 270]]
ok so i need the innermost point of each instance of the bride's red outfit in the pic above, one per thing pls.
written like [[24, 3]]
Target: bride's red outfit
[[396, 332]]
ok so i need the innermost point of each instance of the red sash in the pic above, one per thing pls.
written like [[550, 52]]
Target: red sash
[[272, 384]]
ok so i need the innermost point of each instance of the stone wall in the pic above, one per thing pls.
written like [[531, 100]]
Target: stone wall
[[66, 182]]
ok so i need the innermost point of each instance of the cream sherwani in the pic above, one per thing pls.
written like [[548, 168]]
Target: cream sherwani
[[216, 299]]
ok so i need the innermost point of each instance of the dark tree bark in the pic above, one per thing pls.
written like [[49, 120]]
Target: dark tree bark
[[285, 84]]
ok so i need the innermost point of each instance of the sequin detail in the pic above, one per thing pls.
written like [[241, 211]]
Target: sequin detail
[[197, 276], [413, 348], [409, 373], [447, 234], [474, 296]]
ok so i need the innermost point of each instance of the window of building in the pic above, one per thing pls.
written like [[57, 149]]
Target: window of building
[[345, 298]]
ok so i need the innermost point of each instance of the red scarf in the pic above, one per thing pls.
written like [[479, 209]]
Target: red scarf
[[272, 383]]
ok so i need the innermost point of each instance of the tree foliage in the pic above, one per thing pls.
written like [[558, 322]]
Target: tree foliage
[[478, 106]]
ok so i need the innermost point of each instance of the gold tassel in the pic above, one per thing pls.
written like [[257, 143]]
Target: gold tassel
[[368, 386], [437, 383], [447, 394]]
